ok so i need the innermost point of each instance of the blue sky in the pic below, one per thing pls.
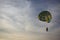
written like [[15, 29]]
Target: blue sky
[[18, 18], [49, 5]]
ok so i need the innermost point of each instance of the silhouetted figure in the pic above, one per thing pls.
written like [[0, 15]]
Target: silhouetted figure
[[47, 29]]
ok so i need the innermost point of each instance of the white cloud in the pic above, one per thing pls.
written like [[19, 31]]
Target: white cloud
[[16, 22], [14, 18], [20, 16]]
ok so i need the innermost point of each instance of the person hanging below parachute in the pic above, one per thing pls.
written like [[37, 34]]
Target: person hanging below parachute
[[45, 16]]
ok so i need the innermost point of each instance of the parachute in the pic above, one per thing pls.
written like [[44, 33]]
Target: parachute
[[45, 16]]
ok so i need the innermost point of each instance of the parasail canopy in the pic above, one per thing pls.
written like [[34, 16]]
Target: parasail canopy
[[45, 16]]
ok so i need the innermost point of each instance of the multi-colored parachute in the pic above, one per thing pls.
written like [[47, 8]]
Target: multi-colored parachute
[[45, 16]]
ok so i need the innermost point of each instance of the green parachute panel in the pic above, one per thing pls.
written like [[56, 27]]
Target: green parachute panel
[[45, 16]]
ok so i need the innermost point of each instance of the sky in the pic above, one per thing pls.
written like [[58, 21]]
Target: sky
[[19, 20]]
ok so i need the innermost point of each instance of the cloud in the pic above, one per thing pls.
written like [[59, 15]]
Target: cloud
[[24, 13], [14, 18], [26, 36], [51, 6], [18, 21], [24, 16]]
